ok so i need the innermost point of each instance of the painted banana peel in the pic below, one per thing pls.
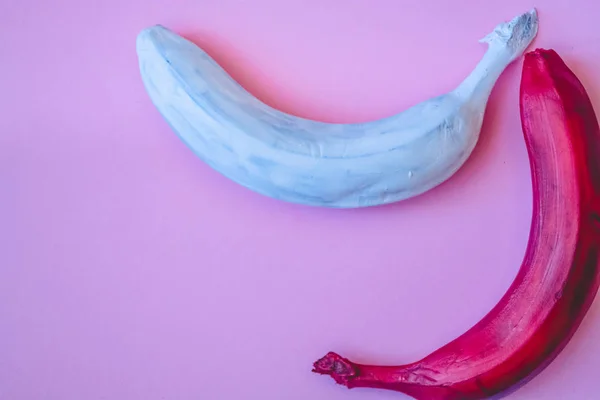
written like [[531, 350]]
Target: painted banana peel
[[559, 276], [312, 162]]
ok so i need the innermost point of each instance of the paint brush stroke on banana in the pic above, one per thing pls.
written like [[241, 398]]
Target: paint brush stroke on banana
[[315, 163]]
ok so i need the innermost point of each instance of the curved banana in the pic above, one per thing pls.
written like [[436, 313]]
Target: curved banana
[[560, 272], [315, 163]]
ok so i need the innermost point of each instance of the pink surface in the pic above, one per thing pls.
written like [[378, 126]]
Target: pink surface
[[130, 270]]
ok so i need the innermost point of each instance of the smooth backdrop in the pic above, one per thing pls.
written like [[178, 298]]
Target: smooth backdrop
[[129, 270]]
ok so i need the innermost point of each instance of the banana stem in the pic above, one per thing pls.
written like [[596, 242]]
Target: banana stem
[[409, 378], [479, 84], [507, 42], [351, 375]]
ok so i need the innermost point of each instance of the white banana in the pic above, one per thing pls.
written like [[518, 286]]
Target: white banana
[[316, 163]]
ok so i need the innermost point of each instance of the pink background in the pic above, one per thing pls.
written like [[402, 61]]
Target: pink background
[[132, 271]]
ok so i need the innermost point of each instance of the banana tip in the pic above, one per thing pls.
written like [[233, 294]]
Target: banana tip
[[543, 56], [148, 38]]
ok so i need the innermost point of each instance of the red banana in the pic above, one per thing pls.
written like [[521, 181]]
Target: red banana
[[559, 277]]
